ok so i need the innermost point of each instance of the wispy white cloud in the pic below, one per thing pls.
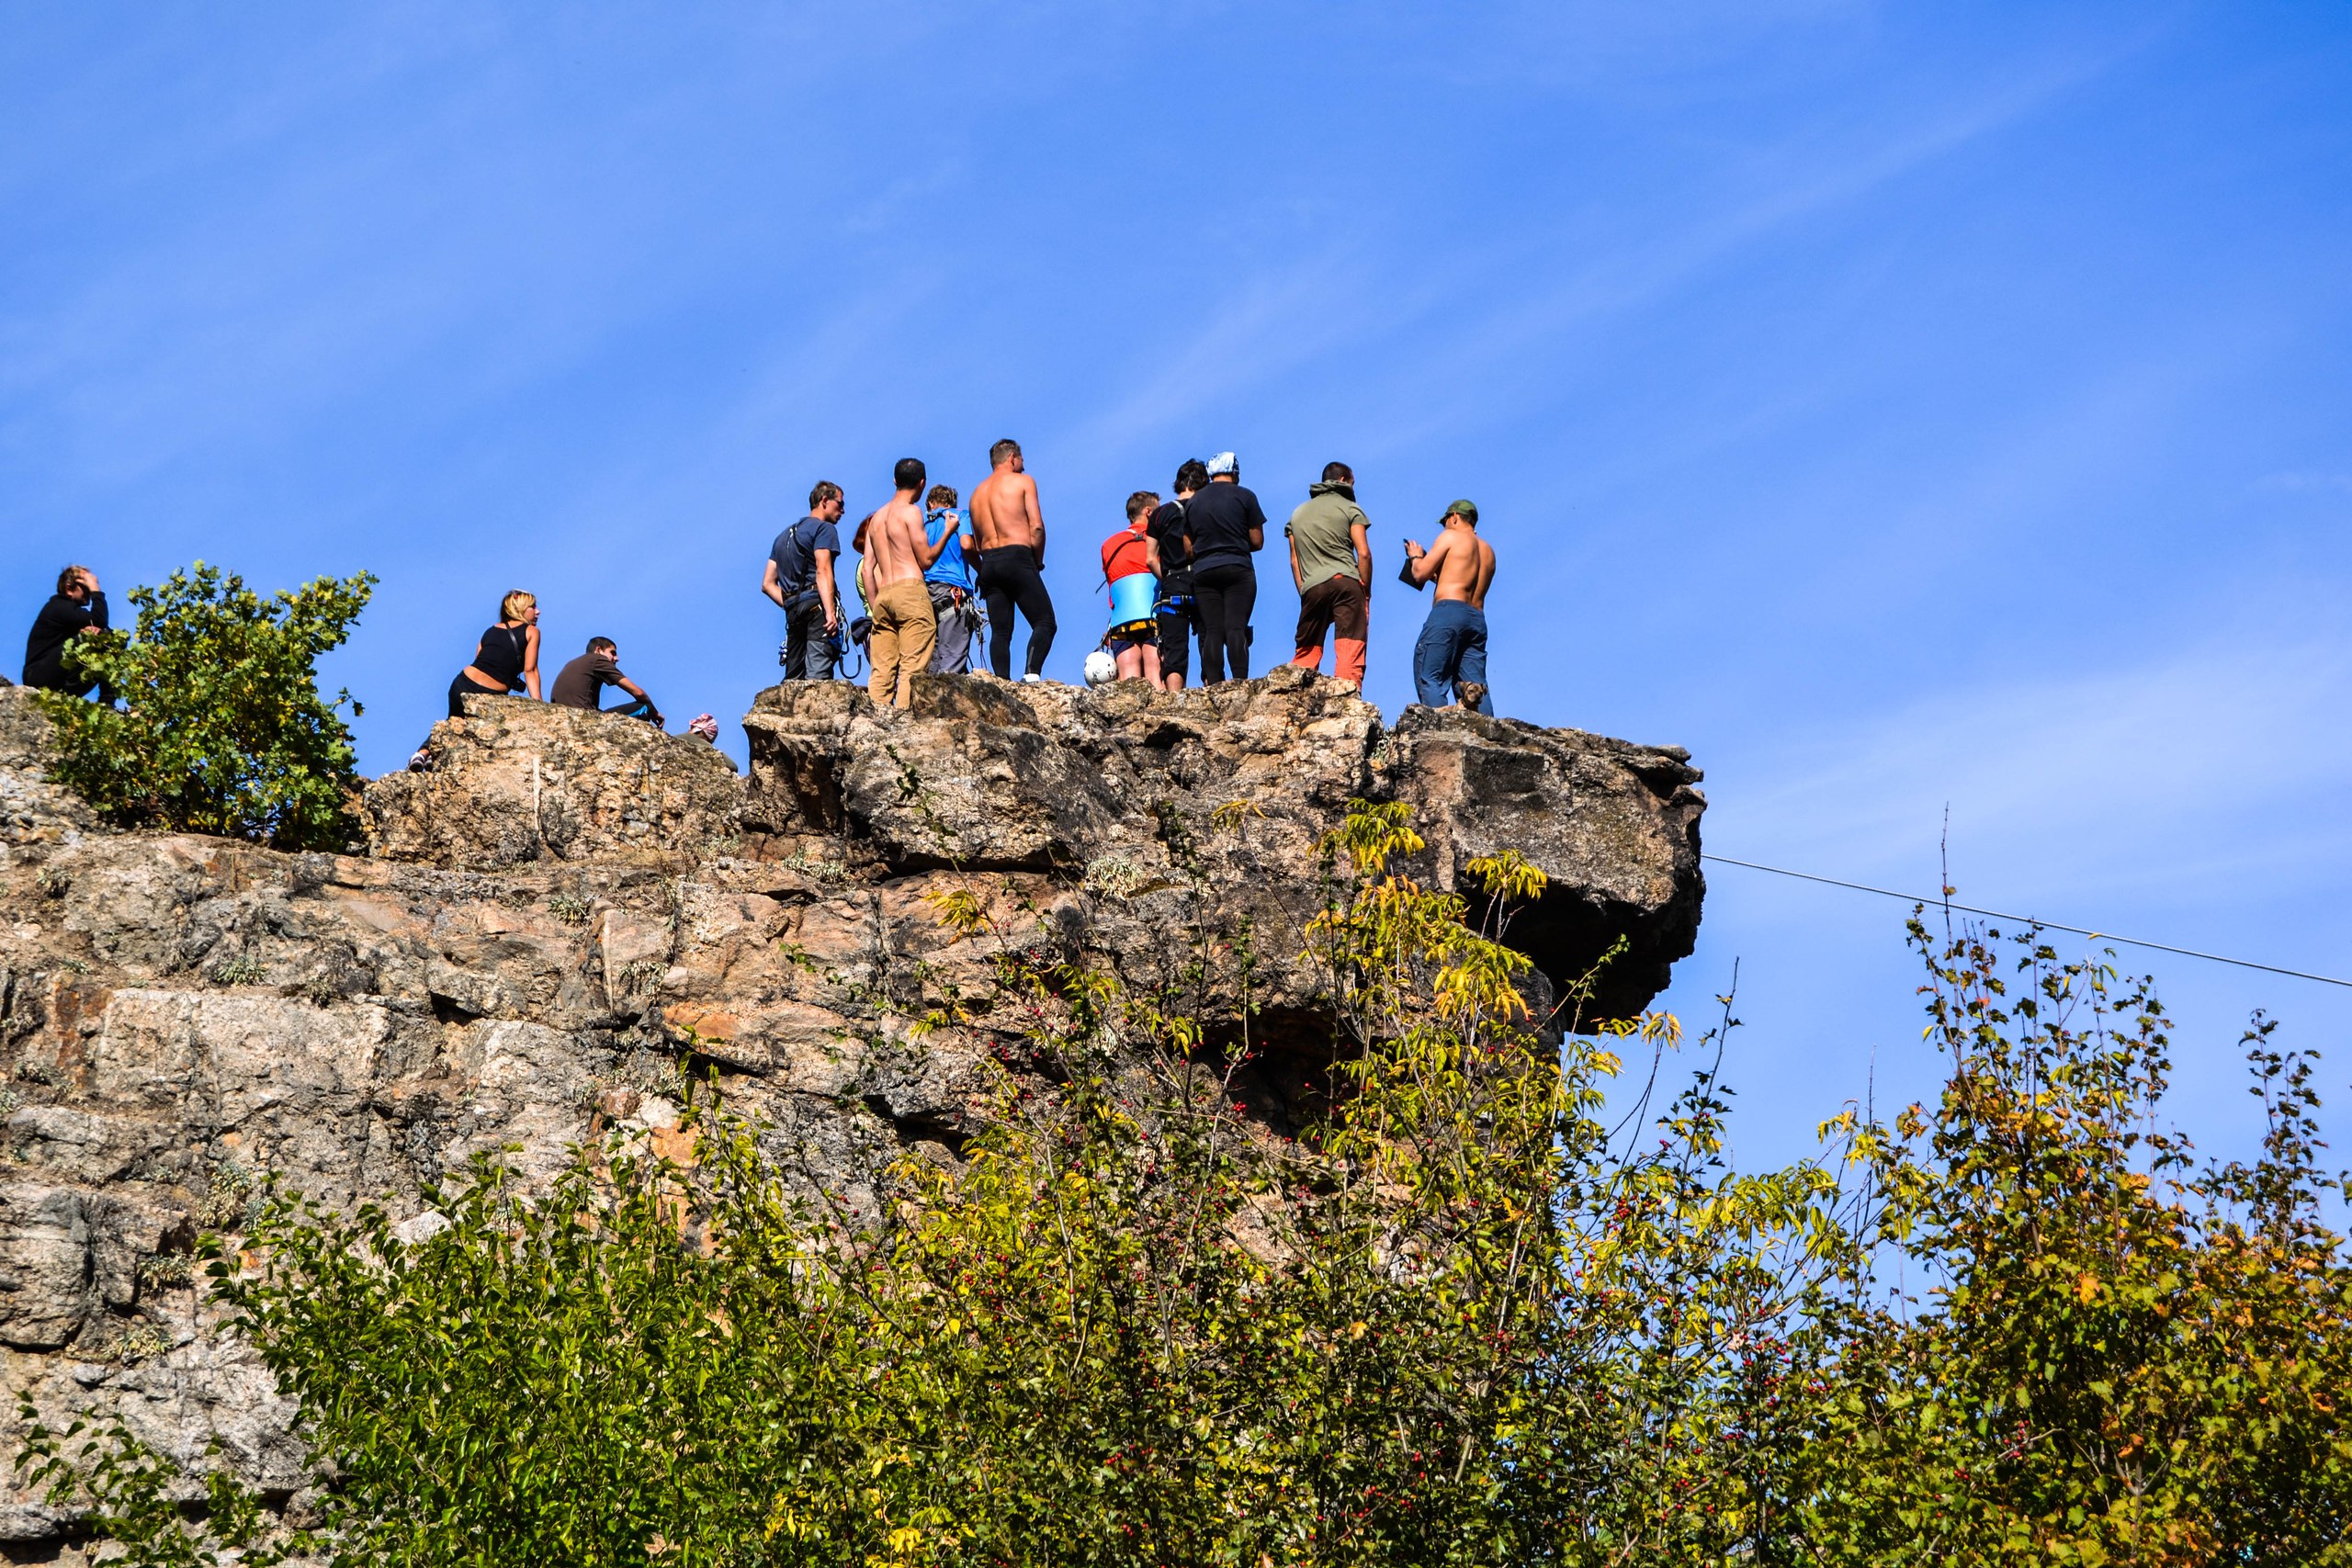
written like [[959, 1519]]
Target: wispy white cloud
[[1534, 318], [2305, 483], [1267, 323], [2200, 768]]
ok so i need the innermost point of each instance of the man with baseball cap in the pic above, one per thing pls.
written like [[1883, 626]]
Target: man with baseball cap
[[1331, 561], [1451, 657]]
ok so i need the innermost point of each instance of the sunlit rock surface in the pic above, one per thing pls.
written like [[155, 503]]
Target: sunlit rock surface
[[559, 903]]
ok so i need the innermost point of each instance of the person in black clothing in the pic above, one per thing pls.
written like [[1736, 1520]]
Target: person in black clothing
[[800, 580], [1009, 526], [1228, 527], [1180, 616], [77, 606], [507, 657]]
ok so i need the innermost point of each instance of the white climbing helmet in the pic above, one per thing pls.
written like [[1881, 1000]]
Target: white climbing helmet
[[1101, 669]]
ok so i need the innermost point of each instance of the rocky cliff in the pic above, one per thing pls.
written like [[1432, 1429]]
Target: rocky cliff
[[561, 903]]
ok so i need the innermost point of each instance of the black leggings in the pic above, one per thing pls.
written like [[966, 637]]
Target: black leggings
[[1009, 576], [461, 689], [1225, 594]]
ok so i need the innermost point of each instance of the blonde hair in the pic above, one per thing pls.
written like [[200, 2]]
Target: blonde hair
[[511, 608]]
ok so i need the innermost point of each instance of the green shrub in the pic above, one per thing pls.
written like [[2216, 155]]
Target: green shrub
[[223, 728], [1463, 1318]]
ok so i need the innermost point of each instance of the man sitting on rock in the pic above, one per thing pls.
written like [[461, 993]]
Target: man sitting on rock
[[581, 683]]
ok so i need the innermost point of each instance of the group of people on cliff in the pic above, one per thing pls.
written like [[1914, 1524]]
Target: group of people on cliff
[[1180, 571], [931, 578]]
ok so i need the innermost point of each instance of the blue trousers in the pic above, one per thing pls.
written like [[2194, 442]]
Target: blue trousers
[[1452, 650]]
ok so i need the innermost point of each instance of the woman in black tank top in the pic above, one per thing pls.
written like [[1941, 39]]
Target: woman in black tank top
[[507, 657]]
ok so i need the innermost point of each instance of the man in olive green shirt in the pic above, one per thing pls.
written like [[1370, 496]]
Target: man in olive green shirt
[[1331, 560]]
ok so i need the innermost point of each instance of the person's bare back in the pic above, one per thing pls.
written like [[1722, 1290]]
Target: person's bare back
[[893, 541], [1460, 563], [1004, 505], [894, 544], [1463, 565]]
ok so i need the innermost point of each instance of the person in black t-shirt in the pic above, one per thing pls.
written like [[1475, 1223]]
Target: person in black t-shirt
[[1228, 527], [506, 658], [76, 608], [800, 580], [1180, 611]]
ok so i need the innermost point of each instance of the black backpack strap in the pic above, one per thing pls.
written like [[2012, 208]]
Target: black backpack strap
[[807, 543]]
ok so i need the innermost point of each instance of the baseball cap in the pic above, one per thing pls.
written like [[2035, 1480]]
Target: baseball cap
[[1462, 509], [1224, 463]]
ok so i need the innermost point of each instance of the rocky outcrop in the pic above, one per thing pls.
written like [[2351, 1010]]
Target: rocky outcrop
[[1614, 825], [514, 782], [559, 904]]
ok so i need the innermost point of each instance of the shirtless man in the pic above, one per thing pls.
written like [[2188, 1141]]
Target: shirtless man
[[898, 551], [1452, 654], [1011, 532]]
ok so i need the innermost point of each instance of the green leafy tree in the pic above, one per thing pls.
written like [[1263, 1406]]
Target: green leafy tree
[[2119, 1357], [1461, 1319], [223, 728]]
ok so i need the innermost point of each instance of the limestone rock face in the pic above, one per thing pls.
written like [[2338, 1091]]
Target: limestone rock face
[[29, 804], [515, 782], [561, 902]]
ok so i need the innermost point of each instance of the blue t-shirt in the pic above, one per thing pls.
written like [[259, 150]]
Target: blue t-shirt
[[795, 554], [949, 569]]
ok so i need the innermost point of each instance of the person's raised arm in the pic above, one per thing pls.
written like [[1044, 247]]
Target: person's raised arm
[[1361, 537], [928, 551], [1425, 562], [98, 602], [531, 661]]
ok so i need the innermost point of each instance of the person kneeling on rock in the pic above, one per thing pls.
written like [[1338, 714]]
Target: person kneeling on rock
[[581, 683], [77, 610]]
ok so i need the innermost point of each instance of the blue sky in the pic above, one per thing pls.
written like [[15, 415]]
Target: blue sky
[[1907, 409]]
